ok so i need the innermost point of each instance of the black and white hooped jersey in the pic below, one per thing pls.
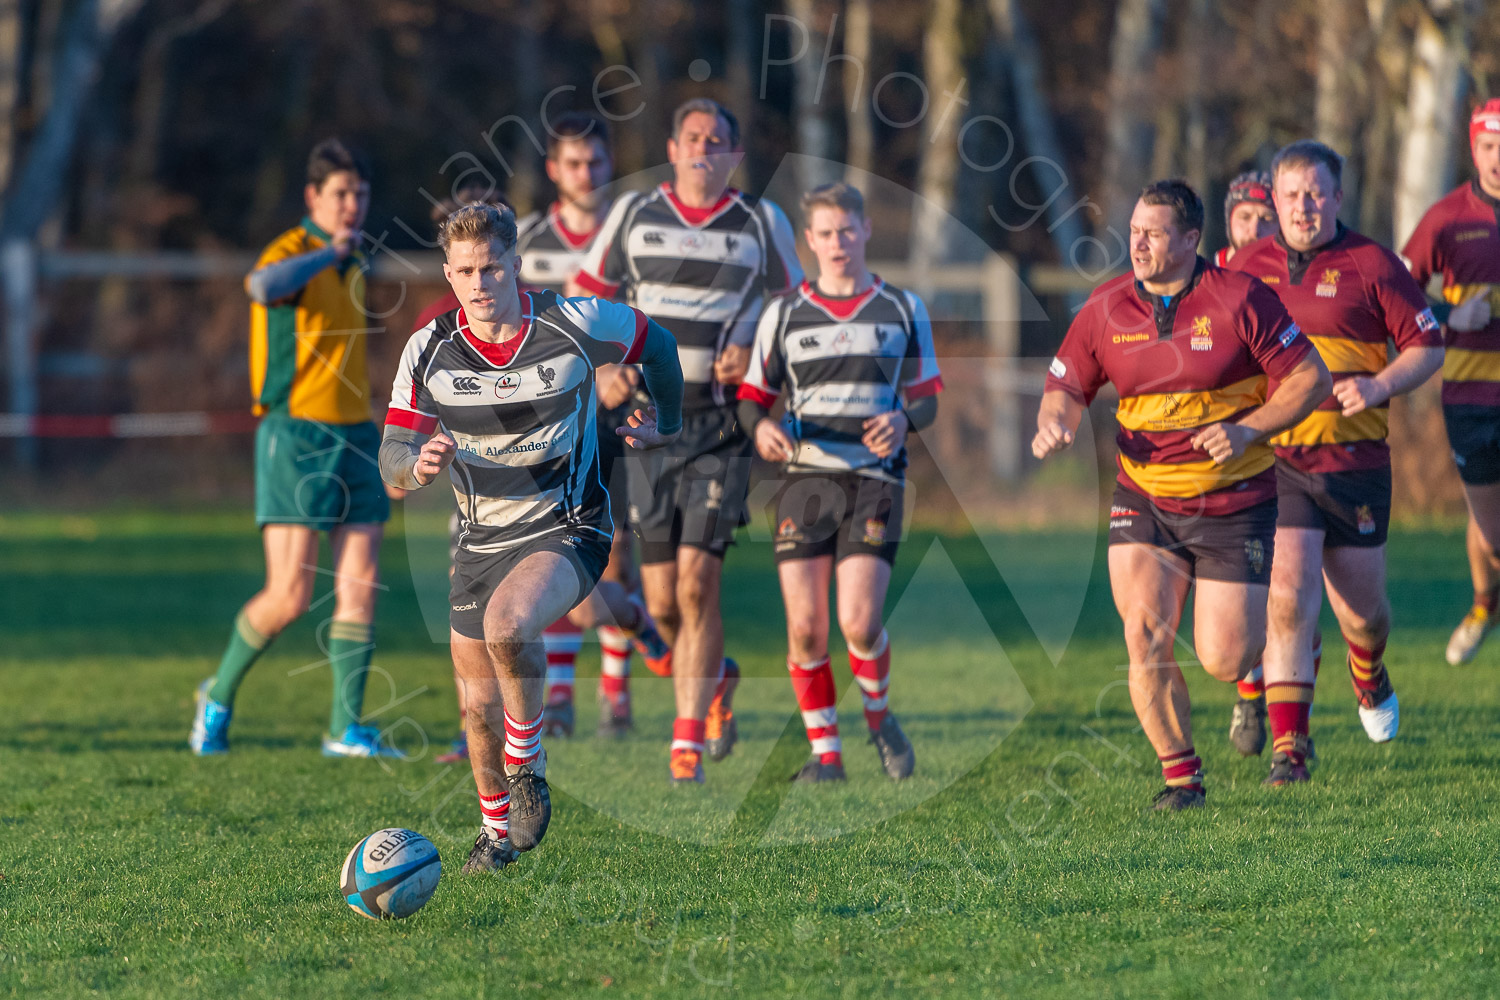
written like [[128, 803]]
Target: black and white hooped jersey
[[551, 253], [842, 361], [703, 273], [522, 412]]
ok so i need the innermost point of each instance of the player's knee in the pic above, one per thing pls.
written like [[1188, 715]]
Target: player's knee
[[696, 596], [806, 636], [1372, 628], [286, 606], [506, 642], [1227, 665], [861, 631]]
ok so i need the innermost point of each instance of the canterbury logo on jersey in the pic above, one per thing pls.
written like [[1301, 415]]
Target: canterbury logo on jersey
[[466, 386]]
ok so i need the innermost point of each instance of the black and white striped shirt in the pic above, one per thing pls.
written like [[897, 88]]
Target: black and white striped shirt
[[702, 273], [522, 413], [551, 253], [842, 361]]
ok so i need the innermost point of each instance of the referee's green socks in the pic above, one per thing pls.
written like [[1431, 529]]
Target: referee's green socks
[[245, 647], [350, 646]]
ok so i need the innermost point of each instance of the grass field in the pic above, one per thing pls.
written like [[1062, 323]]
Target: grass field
[[1021, 860]]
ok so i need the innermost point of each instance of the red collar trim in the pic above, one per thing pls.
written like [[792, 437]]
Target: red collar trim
[[502, 353], [577, 241], [839, 307], [698, 216]]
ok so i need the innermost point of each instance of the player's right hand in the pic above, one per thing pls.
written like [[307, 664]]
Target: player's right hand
[[772, 442], [344, 241], [1050, 436], [617, 383], [435, 456], [1474, 314]]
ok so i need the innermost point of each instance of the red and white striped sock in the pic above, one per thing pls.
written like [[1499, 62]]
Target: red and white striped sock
[[523, 740], [614, 662], [562, 640], [687, 734], [495, 813], [872, 671], [813, 686]]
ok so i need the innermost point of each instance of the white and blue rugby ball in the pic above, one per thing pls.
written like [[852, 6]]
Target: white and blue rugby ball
[[392, 873]]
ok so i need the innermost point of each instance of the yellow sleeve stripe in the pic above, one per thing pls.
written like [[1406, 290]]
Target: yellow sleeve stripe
[[1181, 411], [1460, 365], [1342, 354], [1191, 479], [1332, 427]]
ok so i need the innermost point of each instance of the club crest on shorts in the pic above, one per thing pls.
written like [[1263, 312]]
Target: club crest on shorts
[[1255, 555], [1365, 519], [874, 531], [507, 384], [1203, 334], [715, 495], [1328, 285]]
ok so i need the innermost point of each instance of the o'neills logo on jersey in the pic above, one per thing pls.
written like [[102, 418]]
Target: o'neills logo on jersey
[[1328, 285], [507, 384], [1129, 338], [1472, 234], [1203, 335]]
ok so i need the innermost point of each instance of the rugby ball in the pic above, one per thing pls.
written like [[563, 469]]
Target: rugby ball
[[392, 873]]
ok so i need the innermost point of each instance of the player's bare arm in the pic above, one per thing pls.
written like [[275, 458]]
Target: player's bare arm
[[1415, 366], [1297, 396], [1057, 423]]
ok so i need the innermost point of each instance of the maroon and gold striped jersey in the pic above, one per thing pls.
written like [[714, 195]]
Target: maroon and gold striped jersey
[[1199, 358], [1459, 238], [1349, 296]]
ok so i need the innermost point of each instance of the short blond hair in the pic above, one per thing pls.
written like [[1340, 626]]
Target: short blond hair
[[835, 195], [479, 224]]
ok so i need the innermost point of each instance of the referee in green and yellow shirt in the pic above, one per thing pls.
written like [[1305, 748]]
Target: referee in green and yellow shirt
[[315, 452]]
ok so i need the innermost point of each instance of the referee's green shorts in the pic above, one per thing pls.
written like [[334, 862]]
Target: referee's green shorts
[[316, 474]]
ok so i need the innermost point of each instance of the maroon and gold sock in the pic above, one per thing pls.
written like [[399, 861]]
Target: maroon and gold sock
[[1288, 706], [1253, 684], [1366, 668], [1182, 770]]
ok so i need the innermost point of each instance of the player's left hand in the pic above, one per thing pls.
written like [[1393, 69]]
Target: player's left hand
[[1359, 393], [732, 364], [1223, 441], [640, 430], [885, 433]]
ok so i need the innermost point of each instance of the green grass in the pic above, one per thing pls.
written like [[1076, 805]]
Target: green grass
[[1020, 860]]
